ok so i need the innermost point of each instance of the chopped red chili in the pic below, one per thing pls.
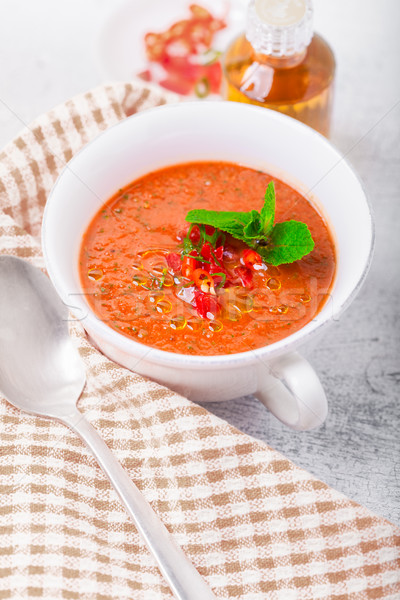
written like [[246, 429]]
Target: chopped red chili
[[251, 258], [203, 281], [189, 264]]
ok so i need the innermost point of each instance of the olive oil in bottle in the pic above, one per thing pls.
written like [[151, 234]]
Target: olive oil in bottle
[[278, 63]]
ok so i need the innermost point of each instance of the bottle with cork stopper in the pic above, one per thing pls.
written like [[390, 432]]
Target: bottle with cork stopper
[[280, 64]]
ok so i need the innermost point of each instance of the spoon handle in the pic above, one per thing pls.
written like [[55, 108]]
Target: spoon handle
[[183, 579]]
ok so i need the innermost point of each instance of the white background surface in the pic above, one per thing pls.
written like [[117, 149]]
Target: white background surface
[[47, 55]]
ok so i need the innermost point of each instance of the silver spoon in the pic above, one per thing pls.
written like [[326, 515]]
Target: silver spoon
[[41, 373]]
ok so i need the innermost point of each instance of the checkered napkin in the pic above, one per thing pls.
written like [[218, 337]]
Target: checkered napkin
[[254, 525]]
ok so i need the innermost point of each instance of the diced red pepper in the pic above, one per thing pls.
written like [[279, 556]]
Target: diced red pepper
[[245, 275], [189, 264], [251, 258], [214, 268], [206, 305], [219, 252], [174, 261], [206, 251]]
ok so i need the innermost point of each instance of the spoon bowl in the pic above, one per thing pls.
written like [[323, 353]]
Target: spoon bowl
[[41, 373], [40, 370]]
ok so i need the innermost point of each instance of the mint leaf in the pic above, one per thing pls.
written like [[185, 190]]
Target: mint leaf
[[277, 244], [289, 241], [267, 213], [253, 229], [231, 222]]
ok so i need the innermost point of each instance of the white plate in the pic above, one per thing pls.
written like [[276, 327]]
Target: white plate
[[120, 46]]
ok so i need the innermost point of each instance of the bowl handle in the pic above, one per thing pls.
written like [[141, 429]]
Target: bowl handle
[[289, 387]]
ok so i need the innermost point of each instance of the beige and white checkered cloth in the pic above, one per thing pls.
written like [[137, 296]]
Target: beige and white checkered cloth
[[255, 525]]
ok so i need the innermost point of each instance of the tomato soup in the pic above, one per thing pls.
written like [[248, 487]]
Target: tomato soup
[[139, 278]]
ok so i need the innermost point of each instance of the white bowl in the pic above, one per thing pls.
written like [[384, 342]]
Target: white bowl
[[225, 131]]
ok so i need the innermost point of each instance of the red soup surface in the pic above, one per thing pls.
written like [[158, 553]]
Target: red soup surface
[[140, 278]]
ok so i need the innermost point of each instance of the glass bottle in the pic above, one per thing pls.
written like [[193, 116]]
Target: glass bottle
[[278, 63]]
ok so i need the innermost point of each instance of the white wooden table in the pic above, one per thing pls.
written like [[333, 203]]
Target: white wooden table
[[46, 56]]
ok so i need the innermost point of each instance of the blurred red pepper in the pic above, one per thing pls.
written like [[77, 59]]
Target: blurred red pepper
[[180, 50]]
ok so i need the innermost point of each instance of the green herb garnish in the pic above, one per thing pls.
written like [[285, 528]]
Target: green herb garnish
[[277, 244]]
